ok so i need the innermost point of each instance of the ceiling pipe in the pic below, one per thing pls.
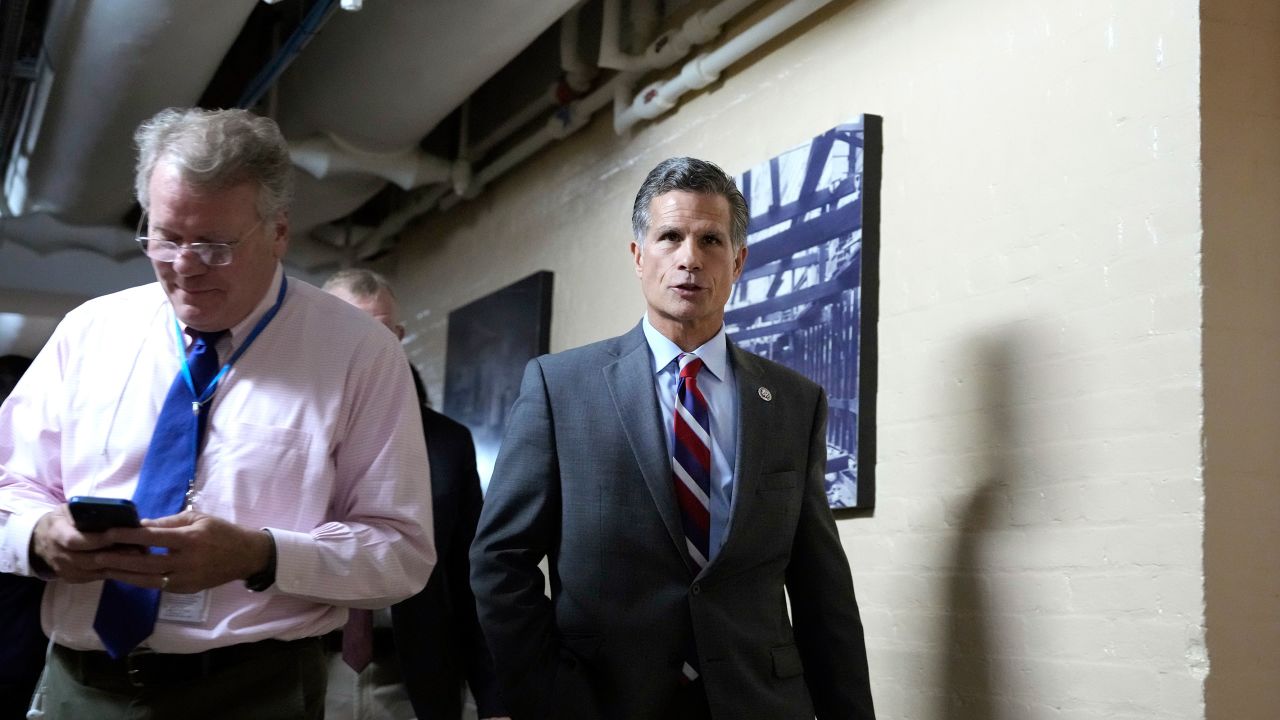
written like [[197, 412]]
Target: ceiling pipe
[[564, 123], [530, 112], [571, 119], [572, 116], [375, 65], [427, 199], [578, 75], [326, 156], [97, 81], [310, 26], [611, 54], [44, 234], [323, 156], [575, 115], [705, 69], [700, 28]]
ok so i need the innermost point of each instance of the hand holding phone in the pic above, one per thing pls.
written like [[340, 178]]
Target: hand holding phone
[[96, 514]]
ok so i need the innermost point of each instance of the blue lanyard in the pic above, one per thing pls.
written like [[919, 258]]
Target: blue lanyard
[[257, 329]]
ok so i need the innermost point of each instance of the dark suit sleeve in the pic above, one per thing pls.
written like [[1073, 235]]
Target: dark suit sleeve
[[518, 527], [478, 661], [828, 627], [437, 634]]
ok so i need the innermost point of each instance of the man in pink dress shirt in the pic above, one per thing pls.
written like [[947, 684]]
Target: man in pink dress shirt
[[308, 495]]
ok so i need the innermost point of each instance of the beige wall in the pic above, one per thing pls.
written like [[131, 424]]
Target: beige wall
[[1036, 552], [1241, 140]]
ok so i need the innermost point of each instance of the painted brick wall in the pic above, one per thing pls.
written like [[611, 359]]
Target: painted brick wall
[[1037, 548]]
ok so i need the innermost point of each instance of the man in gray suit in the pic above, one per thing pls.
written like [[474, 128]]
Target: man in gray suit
[[674, 483]]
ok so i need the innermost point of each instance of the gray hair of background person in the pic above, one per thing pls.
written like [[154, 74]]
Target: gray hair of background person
[[216, 149], [359, 282], [691, 175]]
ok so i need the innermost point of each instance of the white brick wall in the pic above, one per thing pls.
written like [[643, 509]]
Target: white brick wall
[[1036, 551]]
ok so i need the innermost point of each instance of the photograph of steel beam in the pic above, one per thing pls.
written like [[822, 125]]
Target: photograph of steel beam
[[808, 293]]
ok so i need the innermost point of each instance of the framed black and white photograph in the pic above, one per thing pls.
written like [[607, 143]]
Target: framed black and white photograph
[[490, 341], [808, 294]]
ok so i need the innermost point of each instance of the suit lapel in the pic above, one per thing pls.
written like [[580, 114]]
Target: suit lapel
[[630, 381]]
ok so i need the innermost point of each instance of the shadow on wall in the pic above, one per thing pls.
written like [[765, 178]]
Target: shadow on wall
[[975, 674]]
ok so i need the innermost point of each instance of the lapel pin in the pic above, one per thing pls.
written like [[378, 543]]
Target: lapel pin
[[765, 395]]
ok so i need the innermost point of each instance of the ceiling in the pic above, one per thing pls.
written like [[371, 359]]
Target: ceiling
[[369, 99], [392, 108]]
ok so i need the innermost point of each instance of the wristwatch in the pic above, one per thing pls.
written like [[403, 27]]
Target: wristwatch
[[265, 577]]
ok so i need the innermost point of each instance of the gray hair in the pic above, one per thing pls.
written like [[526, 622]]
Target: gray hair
[[216, 149], [358, 282], [691, 175]]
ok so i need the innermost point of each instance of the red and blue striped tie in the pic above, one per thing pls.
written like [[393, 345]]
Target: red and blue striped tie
[[691, 470], [691, 461]]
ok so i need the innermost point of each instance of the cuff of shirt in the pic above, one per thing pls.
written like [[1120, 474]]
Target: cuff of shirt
[[293, 551], [15, 542]]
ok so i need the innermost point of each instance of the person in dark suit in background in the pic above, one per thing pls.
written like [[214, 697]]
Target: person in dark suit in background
[[436, 637], [22, 642], [674, 484]]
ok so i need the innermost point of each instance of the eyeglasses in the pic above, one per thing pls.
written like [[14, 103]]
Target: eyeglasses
[[211, 254]]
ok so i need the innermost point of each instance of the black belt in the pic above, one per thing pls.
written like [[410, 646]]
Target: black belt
[[144, 668]]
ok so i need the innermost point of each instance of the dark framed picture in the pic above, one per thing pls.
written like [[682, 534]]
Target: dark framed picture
[[808, 294], [490, 341]]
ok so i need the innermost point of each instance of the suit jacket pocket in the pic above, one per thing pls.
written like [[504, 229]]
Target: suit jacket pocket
[[572, 695], [786, 661], [785, 480]]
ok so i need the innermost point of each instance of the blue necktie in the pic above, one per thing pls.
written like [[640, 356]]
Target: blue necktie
[[127, 613]]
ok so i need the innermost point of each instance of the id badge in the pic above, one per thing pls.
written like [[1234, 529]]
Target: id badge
[[192, 609]]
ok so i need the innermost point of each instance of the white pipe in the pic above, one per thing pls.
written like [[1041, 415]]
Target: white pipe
[[700, 28], [703, 70], [325, 155], [722, 13], [611, 55], [557, 127], [544, 102], [577, 114], [99, 80], [578, 73], [427, 199]]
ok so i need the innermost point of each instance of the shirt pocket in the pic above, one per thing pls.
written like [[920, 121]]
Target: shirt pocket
[[260, 475]]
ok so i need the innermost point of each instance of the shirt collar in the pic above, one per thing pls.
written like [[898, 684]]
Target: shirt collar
[[714, 352]]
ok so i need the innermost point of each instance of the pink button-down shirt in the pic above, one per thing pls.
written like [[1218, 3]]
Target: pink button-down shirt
[[314, 433]]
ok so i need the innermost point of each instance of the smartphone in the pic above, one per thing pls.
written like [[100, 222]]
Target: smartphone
[[95, 514]]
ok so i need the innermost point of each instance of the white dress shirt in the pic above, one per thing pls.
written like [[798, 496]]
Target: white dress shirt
[[716, 383], [313, 433]]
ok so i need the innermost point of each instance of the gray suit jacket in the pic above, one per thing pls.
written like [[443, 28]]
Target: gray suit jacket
[[583, 478]]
